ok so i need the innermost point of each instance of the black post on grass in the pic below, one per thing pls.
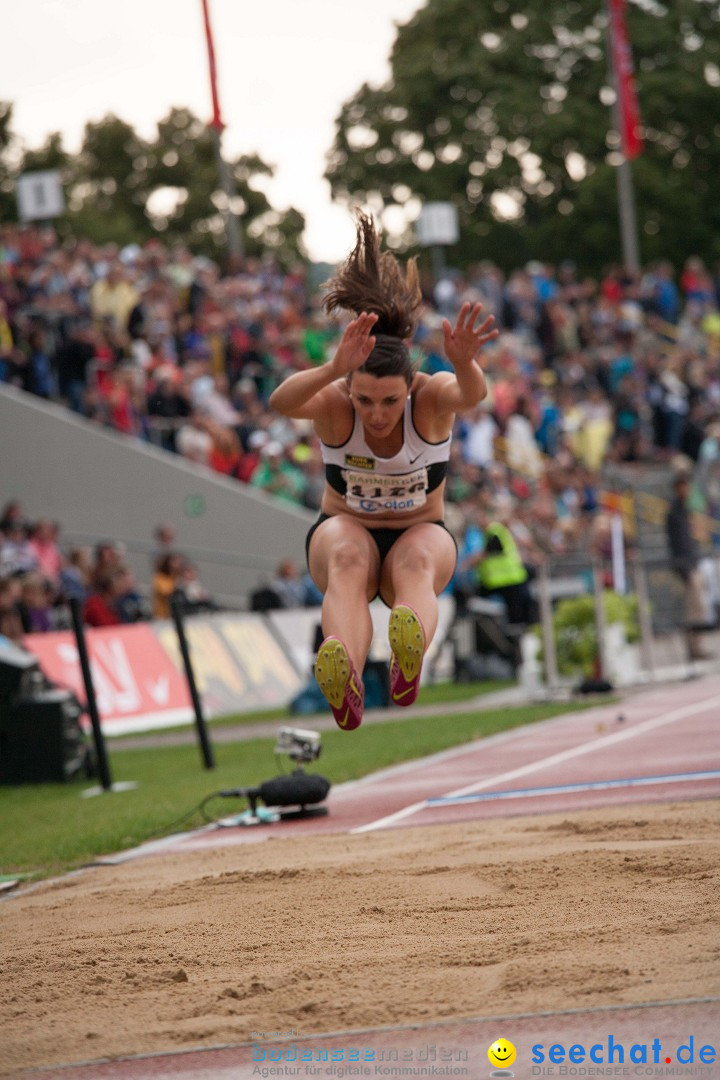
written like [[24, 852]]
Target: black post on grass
[[176, 608], [98, 737]]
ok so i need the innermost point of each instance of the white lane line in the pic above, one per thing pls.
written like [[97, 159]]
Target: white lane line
[[561, 789], [554, 759]]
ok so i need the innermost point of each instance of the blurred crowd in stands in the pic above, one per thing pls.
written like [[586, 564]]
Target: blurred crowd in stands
[[40, 577], [158, 345]]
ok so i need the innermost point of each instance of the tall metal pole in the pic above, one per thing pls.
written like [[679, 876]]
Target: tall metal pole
[[176, 610], [644, 615], [628, 220], [233, 232], [600, 620], [90, 699], [437, 255], [548, 629]]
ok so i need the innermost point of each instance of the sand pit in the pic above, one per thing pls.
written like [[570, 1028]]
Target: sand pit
[[338, 932]]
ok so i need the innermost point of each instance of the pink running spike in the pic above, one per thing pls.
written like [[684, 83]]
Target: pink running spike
[[339, 682], [407, 641]]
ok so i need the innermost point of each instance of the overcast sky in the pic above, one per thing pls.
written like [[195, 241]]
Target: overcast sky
[[285, 67]]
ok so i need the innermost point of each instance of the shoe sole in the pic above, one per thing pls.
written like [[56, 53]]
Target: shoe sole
[[332, 671], [407, 641]]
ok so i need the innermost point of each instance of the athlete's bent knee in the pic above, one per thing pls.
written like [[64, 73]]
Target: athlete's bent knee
[[416, 559], [349, 557]]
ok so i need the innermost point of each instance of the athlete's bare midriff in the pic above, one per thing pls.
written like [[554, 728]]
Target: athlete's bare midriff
[[433, 509]]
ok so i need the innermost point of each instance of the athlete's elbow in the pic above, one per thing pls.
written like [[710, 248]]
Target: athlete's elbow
[[275, 402], [481, 388], [473, 397]]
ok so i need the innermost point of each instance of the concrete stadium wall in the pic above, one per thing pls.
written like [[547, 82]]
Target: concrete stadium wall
[[99, 485]]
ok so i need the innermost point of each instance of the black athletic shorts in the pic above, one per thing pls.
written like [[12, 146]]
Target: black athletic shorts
[[384, 538]]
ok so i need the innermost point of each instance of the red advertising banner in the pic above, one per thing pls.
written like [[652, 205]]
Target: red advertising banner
[[136, 683], [237, 661], [628, 110], [139, 678]]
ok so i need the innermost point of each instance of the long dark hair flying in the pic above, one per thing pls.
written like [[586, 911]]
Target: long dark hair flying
[[373, 280]]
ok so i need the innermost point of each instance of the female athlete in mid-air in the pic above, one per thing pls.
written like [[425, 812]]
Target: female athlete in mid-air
[[385, 433]]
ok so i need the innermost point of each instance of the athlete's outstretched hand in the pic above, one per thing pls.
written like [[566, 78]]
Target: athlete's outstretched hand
[[465, 339], [356, 344]]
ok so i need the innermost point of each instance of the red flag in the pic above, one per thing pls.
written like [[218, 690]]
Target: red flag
[[216, 121], [631, 139]]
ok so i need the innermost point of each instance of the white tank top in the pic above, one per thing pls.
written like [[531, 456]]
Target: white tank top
[[374, 485]]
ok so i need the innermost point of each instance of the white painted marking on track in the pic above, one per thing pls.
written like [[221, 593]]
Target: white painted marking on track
[[554, 759], [562, 789]]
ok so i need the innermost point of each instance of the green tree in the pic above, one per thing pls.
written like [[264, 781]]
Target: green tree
[[186, 200], [51, 155], [107, 200], [14, 161], [123, 188], [503, 108], [7, 173]]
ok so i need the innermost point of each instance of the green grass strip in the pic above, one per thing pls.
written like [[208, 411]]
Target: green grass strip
[[441, 693], [46, 829]]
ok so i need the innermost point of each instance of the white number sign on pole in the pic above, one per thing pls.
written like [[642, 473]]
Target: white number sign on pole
[[437, 224], [39, 195]]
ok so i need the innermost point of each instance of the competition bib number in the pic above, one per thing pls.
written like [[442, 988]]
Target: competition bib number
[[372, 493]]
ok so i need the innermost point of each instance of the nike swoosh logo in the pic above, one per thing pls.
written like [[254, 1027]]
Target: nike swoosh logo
[[343, 723], [402, 694], [414, 459]]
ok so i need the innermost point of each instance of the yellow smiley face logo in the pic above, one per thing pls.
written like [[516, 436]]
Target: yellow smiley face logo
[[501, 1053]]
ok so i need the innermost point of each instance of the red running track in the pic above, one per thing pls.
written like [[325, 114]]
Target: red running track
[[659, 744], [671, 1030], [665, 747]]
